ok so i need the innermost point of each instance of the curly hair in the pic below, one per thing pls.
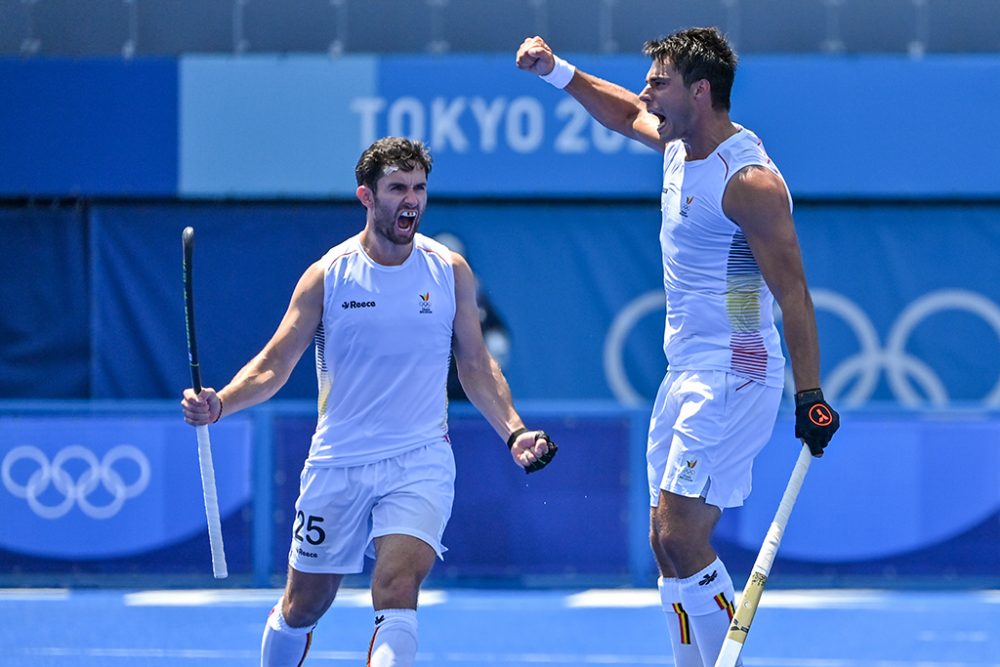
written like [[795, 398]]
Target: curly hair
[[699, 53], [391, 152]]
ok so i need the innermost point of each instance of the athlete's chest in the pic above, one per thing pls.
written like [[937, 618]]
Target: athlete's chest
[[690, 203], [368, 305]]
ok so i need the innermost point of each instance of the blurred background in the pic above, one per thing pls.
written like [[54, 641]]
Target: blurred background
[[123, 121], [128, 28]]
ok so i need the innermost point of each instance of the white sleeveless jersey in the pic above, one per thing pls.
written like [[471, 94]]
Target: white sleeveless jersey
[[382, 353], [719, 310]]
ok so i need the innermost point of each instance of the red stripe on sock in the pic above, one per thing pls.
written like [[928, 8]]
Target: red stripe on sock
[[371, 645], [685, 623], [723, 603]]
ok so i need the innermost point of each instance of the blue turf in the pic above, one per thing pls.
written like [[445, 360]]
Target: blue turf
[[470, 628]]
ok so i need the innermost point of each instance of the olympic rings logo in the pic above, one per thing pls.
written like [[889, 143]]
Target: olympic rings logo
[[904, 371], [75, 490]]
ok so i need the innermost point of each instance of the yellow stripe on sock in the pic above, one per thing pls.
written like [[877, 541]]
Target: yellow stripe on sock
[[685, 623], [723, 603]]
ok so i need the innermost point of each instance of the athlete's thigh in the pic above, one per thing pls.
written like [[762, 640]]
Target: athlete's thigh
[[691, 517], [416, 498], [661, 430], [751, 412], [333, 520], [687, 422], [722, 424]]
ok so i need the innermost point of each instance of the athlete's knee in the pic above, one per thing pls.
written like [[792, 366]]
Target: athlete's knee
[[396, 589], [301, 612], [676, 541], [656, 544], [663, 562], [669, 540], [302, 608]]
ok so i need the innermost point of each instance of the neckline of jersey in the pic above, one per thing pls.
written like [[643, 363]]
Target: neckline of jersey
[[386, 267], [740, 130]]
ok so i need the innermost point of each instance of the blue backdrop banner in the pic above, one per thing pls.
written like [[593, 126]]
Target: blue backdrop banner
[[71, 127], [292, 126], [900, 493], [89, 487], [246, 263], [45, 292], [919, 494], [907, 296]]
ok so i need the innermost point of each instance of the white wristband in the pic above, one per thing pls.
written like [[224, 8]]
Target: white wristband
[[561, 74]]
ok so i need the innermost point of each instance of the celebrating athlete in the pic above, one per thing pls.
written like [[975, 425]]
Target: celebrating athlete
[[386, 309], [728, 243]]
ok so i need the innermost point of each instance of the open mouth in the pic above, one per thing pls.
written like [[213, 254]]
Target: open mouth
[[406, 220], [663, 122]]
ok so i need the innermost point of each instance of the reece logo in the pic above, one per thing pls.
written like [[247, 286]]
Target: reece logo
[[357, 304]]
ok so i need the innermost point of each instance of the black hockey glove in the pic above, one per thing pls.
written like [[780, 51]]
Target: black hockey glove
[[815, 420], [546, 458]]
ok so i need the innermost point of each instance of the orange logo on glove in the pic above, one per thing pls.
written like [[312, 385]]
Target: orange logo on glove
[[820, 415]]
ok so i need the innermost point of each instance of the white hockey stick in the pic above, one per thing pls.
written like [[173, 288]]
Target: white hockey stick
[[750, 599], [219, 568]]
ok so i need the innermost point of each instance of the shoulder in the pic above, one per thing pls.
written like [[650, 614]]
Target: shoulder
[[464, 279], [756, 179], [338, 253], [745, 149], [749, 167], [434, 251], [755, 186], [756, 195], [315, 274]]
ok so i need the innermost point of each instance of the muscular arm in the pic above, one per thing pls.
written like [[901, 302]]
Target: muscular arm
[[757, 200], [616, 108], [268, 371], [613, 106]]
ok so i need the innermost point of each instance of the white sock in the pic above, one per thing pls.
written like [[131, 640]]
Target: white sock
[[394, 643], [708, 599], [682, 639], [283, 645]]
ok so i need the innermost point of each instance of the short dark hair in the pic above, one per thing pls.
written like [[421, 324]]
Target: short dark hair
[[391, 152], [699, 53]]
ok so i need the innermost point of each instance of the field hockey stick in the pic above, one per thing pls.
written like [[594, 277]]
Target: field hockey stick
[[204, 443], [750, 599]]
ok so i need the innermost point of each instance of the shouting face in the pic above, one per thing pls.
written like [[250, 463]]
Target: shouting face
[[397, 204], [667, 98]]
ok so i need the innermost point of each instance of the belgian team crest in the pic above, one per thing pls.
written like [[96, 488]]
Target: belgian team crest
[[686, 206]]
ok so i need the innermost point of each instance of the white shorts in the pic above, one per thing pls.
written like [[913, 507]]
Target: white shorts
[[705, 430], [340, 511]]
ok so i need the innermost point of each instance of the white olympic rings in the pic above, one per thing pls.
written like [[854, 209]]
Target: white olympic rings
[[902, 369], [75, 491]]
